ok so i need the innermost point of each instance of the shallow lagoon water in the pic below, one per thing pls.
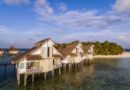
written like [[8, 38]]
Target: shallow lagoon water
[[104, 74]]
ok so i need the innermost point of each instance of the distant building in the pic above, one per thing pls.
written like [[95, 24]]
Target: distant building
[[1, 52], [43, 57], [88, 51], [13, 51], [46, 56], [73, 53]]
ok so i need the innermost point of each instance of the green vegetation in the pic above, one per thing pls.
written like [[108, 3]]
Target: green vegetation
[[105, 48]]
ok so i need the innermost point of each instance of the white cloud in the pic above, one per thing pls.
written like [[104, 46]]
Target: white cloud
[[62, 7], [16, 2], [122, 6], [43, 9], [86, 19]]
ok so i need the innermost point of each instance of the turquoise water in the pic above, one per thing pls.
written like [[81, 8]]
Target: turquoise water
[[104, 74]]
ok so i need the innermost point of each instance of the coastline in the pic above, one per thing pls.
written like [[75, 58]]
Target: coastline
[[123, 55]]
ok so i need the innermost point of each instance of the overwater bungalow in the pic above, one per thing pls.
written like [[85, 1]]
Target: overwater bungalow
[[42, 58], [73, 53], [88, 51], [1, 52], [45, 57], [12, 51]]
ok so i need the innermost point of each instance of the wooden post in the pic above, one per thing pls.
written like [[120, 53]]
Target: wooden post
[[65, 67], [25, 79], [18, 78], [78, 65], [59, 71], [69, 66], [33, 75], [45, 75], [53, 72]]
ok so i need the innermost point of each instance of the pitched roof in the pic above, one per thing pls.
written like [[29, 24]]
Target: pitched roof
[[57, 56], [34, 57], [73, 55], [43, 41], [86, 48], [1, 49], [67, 49], [25, 54], [13, 49], [36, 46]]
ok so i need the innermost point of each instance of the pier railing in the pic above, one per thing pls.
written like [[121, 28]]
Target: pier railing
[[34, 70]]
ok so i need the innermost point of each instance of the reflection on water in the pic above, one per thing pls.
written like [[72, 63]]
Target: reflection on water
[[105, 74]]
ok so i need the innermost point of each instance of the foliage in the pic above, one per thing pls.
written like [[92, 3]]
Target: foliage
[[105, 48]]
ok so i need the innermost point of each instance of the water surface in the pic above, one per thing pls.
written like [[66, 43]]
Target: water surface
[[104, 74]]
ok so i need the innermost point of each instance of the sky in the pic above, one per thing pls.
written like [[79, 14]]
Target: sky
[[25, 22]]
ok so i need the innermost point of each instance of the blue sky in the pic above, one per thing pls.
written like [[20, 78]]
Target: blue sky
[[24, 22]]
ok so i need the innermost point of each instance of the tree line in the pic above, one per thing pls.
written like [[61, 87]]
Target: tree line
[[105, 48]]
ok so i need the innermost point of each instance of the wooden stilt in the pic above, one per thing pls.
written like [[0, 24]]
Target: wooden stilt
[[59, 71], [33, 76], [65, 67], [69, 66], [18, 78], [53, 72], [25, 79], [45, 75]]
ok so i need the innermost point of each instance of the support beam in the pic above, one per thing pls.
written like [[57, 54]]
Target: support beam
[[25, 79], [45, 75], [53, 72], [18, 79], [59, 71], [69, 66], [33, 76], [64, 67]]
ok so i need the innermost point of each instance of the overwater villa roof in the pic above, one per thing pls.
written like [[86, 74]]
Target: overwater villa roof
[[36, 46], [13, 49], [86, 48], [43, 41], [1, 49], [34, 57], [57, 56], [73, 55], [67, 49], [25, 54]]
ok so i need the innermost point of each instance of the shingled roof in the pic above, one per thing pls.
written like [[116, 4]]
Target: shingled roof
[[36, 46], [24, 54], [43, 41], [12, 48], [67, 49], [1, 49], [34, 57], [86, 48], [57, 56]]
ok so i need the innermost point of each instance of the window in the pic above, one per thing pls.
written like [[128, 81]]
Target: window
[[21, 66], [48, 51], [77, 50], [33, 65]]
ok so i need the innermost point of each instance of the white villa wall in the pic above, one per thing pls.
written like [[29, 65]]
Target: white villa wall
[[79, 47], [47, 65], [38, 51], [1, 52], [13, 52], [55, 51]]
